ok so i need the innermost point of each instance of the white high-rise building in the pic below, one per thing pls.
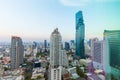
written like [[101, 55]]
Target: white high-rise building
[[17, 51], [99, 54], [56, 73], [64, 59], [55, 49], [92, 46], [58, 57]]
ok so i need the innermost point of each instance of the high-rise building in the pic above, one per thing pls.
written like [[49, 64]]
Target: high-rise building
[[58, 57], [112, 38], [45, 45], [80, 34], [99, 55], [64, 59], [55, 55], [17, 50], [55, 48], [91, 41], [72, 44], [34, 44], [67, 46], [56, 73], [92, 46]]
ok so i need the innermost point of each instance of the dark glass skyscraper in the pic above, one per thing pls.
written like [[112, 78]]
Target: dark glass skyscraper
[[45, 45], [67, 46], [80, 33]]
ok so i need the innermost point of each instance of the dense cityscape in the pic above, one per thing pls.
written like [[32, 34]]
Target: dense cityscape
[[76, 59]]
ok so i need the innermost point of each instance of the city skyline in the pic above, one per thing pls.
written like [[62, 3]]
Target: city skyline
[[34, 20]]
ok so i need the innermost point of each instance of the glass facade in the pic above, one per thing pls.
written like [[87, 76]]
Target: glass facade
[[80, 33], [112, 38]]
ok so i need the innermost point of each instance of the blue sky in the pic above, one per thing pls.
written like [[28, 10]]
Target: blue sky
[[36, 19]]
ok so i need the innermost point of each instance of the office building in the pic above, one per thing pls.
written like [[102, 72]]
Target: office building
[[72, 44], [99, 55], [112, 38], [34, 44], [67, 46], [17, 50], [56, 73], [58, 57], [55, 48], [64, 59], [55, 55], [91, 43], [80, 34], [45, 45]]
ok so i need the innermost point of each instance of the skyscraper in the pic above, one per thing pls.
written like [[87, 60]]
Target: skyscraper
[[64, 59], [17, 51], [72, 44], [55, 55], [80, 33], [92, 46], [99, 54], [45, 45], [67, 46], [55, 48], [112, 38]]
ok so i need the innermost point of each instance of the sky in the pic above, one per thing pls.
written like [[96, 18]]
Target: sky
[[35, 20]]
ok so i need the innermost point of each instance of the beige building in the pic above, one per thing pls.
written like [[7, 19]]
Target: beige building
[[17, 50]]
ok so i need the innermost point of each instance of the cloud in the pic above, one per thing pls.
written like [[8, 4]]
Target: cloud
[[83, 2], [107, 0], [74, 2]]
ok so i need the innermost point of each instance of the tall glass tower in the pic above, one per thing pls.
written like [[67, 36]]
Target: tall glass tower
[[112, 38], [80, 34]]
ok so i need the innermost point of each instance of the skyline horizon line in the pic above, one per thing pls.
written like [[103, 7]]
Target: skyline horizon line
[[24, 39], [30, 39]]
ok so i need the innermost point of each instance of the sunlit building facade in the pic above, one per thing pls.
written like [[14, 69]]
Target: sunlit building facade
[[99, 55], [55, 48], [17, 51], [55, 55]]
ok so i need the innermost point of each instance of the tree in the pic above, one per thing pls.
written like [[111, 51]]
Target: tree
[[72, 79], [5, 68], [80, 72], [27, 75], [40, 54], [38, 77]]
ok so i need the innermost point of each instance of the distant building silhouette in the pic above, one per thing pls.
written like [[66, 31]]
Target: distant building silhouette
[[45, 45], [67, 46]]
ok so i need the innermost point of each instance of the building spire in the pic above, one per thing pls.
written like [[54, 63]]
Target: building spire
[[55, 31]]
